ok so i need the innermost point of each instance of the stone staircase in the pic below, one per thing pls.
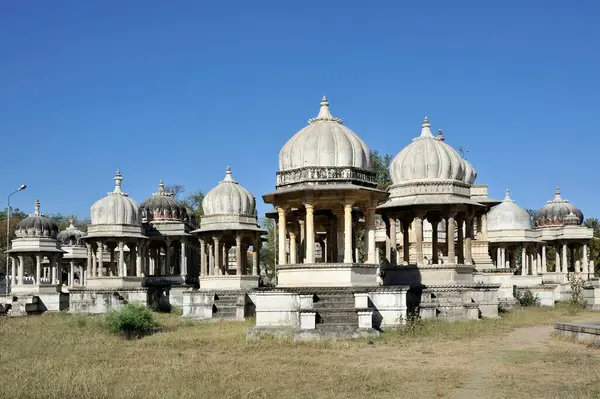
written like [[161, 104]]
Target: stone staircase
[[226, 305], [335, 310]]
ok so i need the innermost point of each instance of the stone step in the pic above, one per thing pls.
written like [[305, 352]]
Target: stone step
[[334, 304], [337, 316], [225, 312]]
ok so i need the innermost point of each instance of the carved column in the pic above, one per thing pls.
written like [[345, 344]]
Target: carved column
[[340, 235], [183, 260], [302, 247], [293, 253], [434, 221], [100, 271], [544, 261], [538, 261], [584, 259], [406, 240], [348, 232], [450, 238], [238, 254], [310, 233], [20, 272], [393, 258], [564, 262], [211, 261], [484, 230], [89, 258], [281, 222], [524, 261], [13, 269], [94, 268], [38, 269], [370, 225], [215, 250], [255, 255], [557, 265], [499, 258], [139, 258], [468, 240], [203, 265], [460, 240], [418, 223], [122, 269]]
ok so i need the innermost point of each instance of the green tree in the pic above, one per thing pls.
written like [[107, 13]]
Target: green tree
[[594, 223], [381, 167], [194, 201], [268, 250], [15, 217], [176, 189]]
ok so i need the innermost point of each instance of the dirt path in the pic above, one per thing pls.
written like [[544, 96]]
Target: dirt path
[[482, 370]]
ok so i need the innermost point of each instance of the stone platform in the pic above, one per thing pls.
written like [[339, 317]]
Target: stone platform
[[585, 332]]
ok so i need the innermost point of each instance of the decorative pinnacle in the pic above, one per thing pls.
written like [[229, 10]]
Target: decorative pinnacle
[[161, 186], [557, 194], [507, 196], [228, 176], [118, 180], [324, 114], [440, 135], [71, 220], [426, 128], [36, 206]]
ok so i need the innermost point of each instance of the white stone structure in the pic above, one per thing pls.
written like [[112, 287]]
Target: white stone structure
[[36, 238], [75, 254], [229, 221]]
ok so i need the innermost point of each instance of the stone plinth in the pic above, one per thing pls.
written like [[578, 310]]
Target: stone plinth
[[591, 295], [584, 332], [327, 275], [544, 292], [428, 274], [211, 305], [35, 289], [114, 282], [85, 300], [503, 277], [225, 283]]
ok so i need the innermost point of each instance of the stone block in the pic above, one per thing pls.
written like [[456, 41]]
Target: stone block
[[365, 319], [308, 320]]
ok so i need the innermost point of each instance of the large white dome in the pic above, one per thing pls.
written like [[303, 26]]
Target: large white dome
[[508, 216], [429, 158], [325, 142], [116, 208], [229, 197]]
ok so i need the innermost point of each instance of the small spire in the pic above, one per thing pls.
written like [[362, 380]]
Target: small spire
[[557, 194], [71, 226], [36, 206], [324, 114], [507, 196], [161, 186], [118, 180], [440, 135], [228, 176], [426, 128]]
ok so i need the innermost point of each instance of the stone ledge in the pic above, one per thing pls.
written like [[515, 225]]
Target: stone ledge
[[326, 266], [320, 333]]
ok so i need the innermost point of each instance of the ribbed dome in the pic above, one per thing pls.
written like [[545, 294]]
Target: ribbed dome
[[163, 206], [508, 216], [555, 212], [37, 225], [470, 173], [429, 158], [71, 235], [229, 197], [325, 142], [116, 208]]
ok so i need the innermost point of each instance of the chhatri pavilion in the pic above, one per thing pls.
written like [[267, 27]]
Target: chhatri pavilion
[[352, 259]]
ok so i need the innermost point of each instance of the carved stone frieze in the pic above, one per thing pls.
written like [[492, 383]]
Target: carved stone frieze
[[325, 174]]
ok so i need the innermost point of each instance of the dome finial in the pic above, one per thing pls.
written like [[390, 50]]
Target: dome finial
[[426, 128], [118, 180], [71, 220], [324, 114], [507, 196], [36, 206], [161, 186], [228, 176], [557, 194]]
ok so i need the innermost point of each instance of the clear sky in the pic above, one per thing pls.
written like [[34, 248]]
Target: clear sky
[[179, 90]]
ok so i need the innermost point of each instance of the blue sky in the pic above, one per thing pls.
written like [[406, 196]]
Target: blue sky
[[179, 90]]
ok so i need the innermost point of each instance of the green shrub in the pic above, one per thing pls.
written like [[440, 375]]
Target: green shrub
[[528, 298], [133, 321], [577, 301]]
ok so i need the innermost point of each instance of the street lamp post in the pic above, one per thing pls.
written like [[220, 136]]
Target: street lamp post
[[23, 187]]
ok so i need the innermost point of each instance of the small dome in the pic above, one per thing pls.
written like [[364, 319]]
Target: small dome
[[470, 173], [429, 158], [37, 225], [555, 212], [229, 197], [325, 142], [71, 235], [508, 216], [572, 220], [163, 206], [116, 208]]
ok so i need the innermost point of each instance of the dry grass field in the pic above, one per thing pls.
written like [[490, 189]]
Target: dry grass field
[[62, 356]]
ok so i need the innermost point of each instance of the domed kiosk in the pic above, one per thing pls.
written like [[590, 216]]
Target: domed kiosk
[[75, 256], [229, 221], [431, 181], [36, 238], [116, 229]]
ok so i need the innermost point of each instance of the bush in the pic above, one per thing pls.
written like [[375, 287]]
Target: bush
[[577, 301], [528, 298], [133, 321]]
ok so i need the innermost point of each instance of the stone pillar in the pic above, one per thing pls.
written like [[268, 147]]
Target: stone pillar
[[468, 240], [524, 261], [215, 251], [460, 241], [557, 266], [584, 259], [38, 269], [484, 230], [393, 244], [13, 269], [183, 260], [348, 232], [310, 233], [238, 254], [502, 262], [405, 240], [122, 270], [20, 271], [255, 255], [302, 247], [211, 261], [450, 239], [533, 263], [544, 262], [100, 271], [370, 225], [94, 268], [538, 261], [419, 236], [89, 258], [81, 276], [71, 279], [281, 223], [499, 264], [139, 259], [293, 250], [434, 240], [340, 236], [565, 264], [203, 265]]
